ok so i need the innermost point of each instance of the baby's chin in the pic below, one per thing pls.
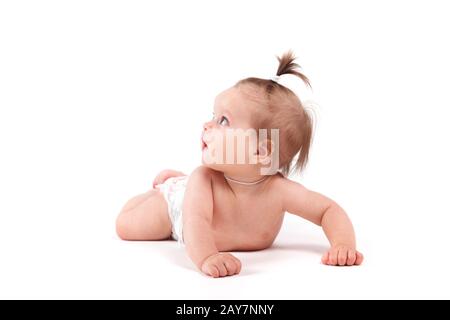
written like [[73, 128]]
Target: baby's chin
[[213, 166], [227, 168], [216, 166], [209, 161]]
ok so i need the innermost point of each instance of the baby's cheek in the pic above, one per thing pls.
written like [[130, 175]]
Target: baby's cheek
[[244, 153], [229, 149]]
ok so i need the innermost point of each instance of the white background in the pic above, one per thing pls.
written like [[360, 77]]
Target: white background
[[97, 96]]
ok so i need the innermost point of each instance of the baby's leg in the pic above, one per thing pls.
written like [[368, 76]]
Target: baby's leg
[[145, 217]]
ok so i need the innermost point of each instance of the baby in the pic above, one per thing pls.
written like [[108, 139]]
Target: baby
[[259, 134]]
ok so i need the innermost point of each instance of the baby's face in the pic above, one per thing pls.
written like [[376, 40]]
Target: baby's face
[[229, 139]]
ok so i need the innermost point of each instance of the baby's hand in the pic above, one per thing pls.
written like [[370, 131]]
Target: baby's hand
[[221, 265], [342, 256]]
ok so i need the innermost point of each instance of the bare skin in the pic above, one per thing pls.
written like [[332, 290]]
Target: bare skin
[[220, 215]]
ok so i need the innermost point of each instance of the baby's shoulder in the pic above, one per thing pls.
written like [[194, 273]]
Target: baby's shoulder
[[282, 184], [203, 173], [278, 181]]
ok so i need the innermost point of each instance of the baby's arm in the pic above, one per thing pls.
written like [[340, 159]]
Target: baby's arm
[[197, 228], [326, 213]]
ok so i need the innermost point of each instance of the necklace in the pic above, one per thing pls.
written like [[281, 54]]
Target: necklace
[[246, 183]]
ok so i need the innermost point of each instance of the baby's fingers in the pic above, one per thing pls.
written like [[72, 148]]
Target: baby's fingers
[[359, 258], [325, 257], [351, 257], [231, 267], [212, 271], [238, 265], [342, 256], [222, 269], [333, 257]]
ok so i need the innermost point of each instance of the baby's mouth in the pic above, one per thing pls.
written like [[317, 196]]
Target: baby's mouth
[[204, 145]]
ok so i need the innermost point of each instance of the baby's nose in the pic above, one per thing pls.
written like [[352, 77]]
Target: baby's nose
[[207, 125]]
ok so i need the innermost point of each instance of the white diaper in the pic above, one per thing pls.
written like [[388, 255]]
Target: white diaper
[[173, 190]]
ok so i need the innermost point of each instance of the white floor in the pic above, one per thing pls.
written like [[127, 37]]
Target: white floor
[[92, 266]]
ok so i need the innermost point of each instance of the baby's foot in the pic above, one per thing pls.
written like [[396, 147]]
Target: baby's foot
[[342, 256], [164, 175]]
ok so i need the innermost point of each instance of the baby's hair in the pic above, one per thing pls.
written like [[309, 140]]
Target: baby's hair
[[288, 66], [282, 109]]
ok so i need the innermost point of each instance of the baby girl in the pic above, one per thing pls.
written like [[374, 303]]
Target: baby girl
[[260, 134]]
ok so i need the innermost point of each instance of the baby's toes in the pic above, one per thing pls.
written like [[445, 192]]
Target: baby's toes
[[156, 182]]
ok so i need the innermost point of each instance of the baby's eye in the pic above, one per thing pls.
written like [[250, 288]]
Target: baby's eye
[[224, 121]]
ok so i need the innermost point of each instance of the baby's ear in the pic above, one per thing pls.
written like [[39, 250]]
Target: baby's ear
[[264, 151]]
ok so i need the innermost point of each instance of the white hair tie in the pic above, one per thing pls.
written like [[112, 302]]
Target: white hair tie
[[275, 79]]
